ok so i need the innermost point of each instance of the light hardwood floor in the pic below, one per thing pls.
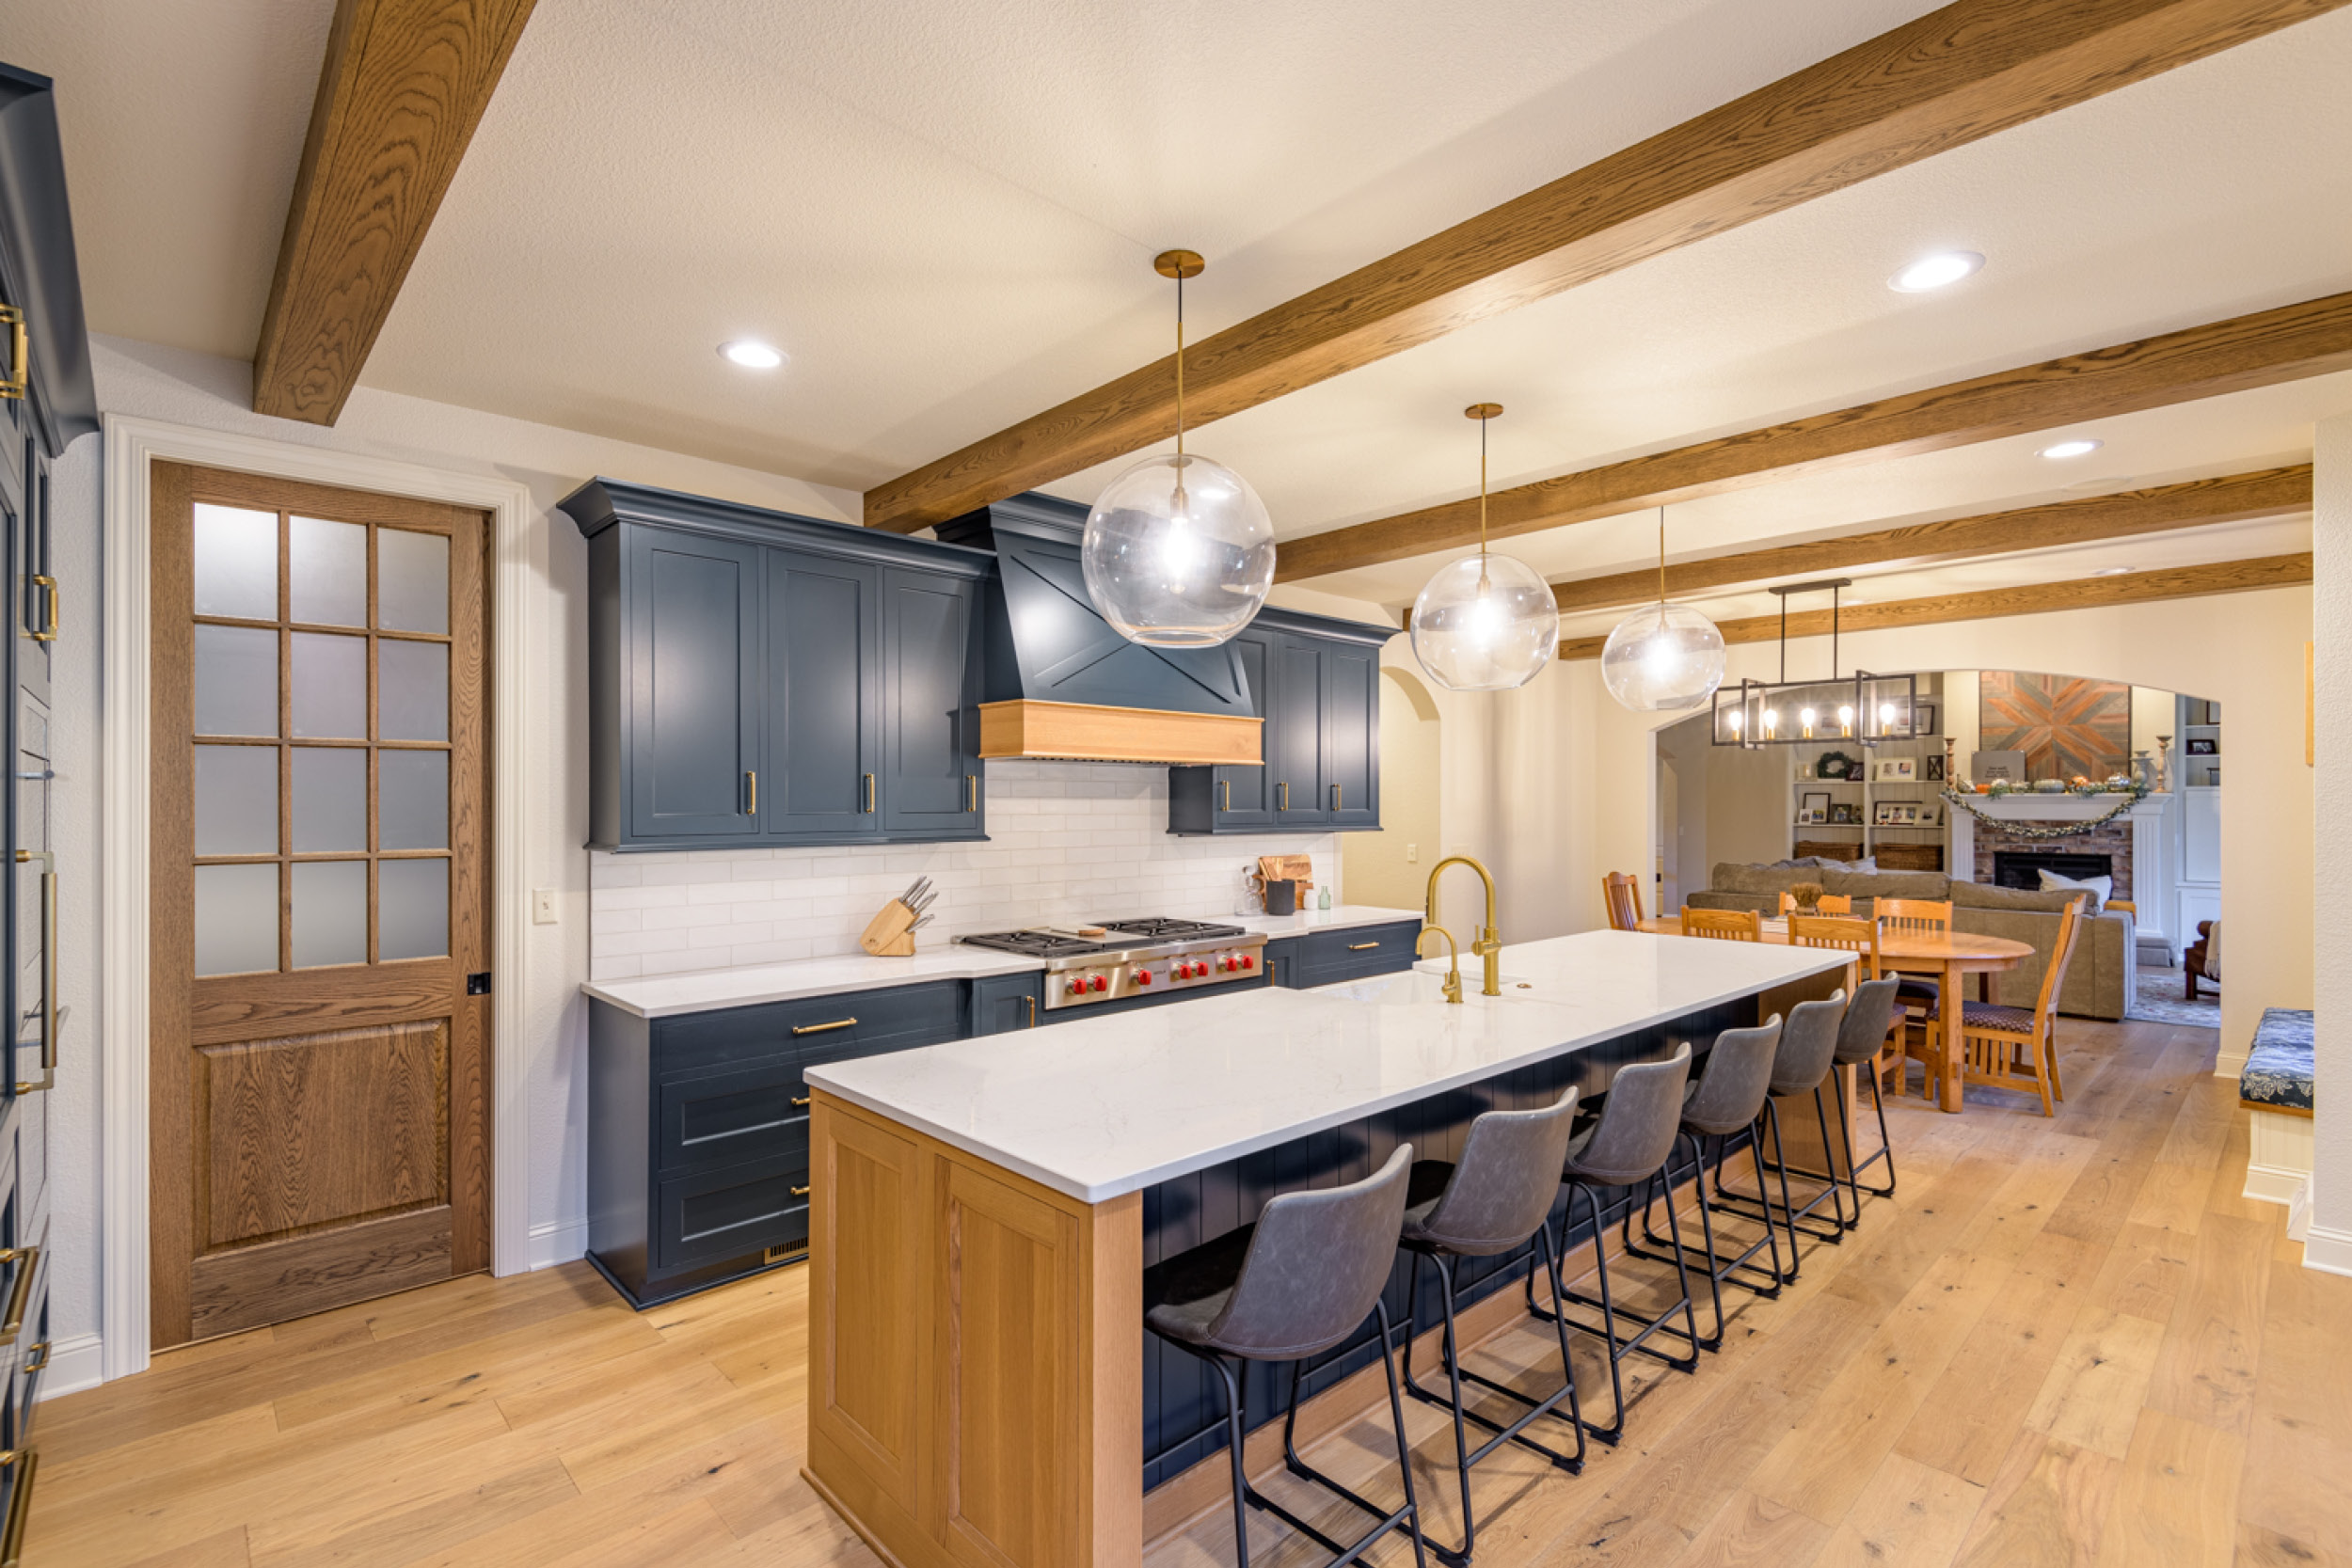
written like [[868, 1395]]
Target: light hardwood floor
[[2063, 1341]]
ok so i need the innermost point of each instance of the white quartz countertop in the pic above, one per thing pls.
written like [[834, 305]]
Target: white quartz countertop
[[663, 995], [1103, 1106]]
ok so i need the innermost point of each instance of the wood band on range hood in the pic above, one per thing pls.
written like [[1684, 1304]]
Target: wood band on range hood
[[1090, 732]]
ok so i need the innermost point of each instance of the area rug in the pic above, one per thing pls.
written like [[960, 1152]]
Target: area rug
[[2162, 999]]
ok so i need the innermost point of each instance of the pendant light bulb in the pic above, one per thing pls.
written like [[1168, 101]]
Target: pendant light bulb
[[1667, 657], [1179, 551], [1487, 622]]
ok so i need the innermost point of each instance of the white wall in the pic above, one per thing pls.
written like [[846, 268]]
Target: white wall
[[1572, 757], [195, 390], [2330, 1245]]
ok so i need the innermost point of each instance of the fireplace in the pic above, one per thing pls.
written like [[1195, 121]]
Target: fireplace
[[2022, 868]]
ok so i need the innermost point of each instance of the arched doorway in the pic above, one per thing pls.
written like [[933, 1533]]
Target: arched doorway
[[1391, 867]]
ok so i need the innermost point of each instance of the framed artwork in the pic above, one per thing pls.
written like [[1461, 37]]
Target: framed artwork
[[1812, 817], [2064, 725], [2203, 746], [1883, 815], [1845, 814], [1931, 767], [1817, 802], [1895, 770], [1895, 814], [1923, 718]]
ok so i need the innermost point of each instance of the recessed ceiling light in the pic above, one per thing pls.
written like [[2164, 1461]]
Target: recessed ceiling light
[[751, 353], [2110, 571], [2082, 446], [1943, 268]]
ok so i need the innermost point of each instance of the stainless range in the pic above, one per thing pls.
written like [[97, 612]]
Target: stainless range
[[1155, 958]]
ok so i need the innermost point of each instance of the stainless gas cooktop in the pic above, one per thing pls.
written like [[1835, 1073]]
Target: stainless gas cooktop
[[1138, 958]]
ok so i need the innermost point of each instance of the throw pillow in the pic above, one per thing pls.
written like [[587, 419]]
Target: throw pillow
[[2099, 888], [1867, 864]]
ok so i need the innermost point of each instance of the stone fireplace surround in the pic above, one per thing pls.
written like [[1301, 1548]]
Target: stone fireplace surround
[[2114, 841]]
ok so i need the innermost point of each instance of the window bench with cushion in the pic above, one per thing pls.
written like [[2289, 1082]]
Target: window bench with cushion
[[2099, 983], [2276, 1086]]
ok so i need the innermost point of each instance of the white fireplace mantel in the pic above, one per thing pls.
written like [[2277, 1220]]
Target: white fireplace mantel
[[2152, 873], [2023, 807]]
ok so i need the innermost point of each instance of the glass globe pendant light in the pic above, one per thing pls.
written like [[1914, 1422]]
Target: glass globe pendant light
[[1179, 551], [1485, 623], [1666, 657]]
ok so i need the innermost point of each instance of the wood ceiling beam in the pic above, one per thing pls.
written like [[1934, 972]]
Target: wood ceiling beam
[[2196, 503], [2179, 582], [402, 87], [1957, 74], [2311, 337]]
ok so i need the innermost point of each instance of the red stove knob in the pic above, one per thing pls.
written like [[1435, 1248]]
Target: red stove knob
[[1100, 983], [1143, 976], [1247, 961], [1075, 987]]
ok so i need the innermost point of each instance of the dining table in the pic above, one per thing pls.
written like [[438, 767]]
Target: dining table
[[1946, 957]]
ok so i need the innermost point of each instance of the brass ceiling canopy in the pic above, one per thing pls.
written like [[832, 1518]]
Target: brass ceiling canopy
[[1177, 264], [1481, 410]]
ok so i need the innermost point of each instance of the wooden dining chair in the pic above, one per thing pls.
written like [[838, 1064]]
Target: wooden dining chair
[[1829, 930], [1919, 916], [1622, 891], [1835, 903], [2011, 1048], [1919, 997], [1722, 925]]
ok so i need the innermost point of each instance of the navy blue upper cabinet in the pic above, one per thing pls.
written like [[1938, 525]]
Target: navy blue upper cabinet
[[931, 731], [693, 684], [760, 677], [1315, 681], [824, 697]]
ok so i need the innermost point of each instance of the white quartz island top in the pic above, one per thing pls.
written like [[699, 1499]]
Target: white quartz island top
[[1104, 1106]]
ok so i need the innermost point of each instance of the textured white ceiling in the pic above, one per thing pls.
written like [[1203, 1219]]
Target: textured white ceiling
[[945, 212]]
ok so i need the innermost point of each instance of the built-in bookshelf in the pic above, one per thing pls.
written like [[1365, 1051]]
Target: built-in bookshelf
[[1918, 797]]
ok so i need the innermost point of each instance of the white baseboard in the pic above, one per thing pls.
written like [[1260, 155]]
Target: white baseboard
[[2329, 1251], [2299, 1213], [558, 1242], [2228, 1067], [2273, 1184], [75, 1365]]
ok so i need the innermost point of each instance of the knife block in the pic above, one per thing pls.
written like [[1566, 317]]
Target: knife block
[[891, 933]]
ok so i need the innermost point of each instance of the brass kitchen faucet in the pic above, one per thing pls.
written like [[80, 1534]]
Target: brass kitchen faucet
[[1489, 943]]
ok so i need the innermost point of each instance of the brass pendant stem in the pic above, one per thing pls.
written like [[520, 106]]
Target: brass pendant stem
[[1661, 565], [1179, 372]]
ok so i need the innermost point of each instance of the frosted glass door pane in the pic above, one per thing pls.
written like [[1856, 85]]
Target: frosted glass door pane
[[411, 690], [326, 572], [330, 799], [236, 918], [411, 581], [412, 908], [236, 680], [330, 686], [330, 913], [236, 562], [236, 799], [412, 799]]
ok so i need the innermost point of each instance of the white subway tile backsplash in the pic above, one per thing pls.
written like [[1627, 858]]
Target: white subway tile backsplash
[[1068, 841]]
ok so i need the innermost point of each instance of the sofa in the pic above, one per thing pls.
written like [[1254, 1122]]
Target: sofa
[[2099, 983]]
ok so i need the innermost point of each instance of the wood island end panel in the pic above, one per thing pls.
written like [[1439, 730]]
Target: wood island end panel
[[975, 1387]]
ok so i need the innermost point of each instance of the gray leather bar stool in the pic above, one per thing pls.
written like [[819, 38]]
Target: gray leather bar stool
[[1861, 1035], [1640, 1120], [1296, 1283], [1729, 1100], [1496, 1199], [1808, 1044]]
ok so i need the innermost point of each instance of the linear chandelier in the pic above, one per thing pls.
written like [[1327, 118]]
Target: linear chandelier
[[1861, 708]]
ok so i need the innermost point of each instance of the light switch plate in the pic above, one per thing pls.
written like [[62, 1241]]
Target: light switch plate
[[1412, 854], [543, 906]]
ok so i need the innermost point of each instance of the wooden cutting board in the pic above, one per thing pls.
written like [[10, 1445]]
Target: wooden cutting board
[[1289, 868]]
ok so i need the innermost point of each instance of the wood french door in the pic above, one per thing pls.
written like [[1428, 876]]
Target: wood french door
[[319, 1061]]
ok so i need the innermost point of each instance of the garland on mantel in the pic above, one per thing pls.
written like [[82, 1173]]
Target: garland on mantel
[[1967, 802]]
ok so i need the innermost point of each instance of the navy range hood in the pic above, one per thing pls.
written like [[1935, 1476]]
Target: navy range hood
[[1061, 683]]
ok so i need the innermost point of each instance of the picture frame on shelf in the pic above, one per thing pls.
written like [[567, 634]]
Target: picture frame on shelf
[[2203, 746], [1895, 770], [1923, 715], [1845, 814], [1812, 817], [1816, 802], [1895, 814], [1931, 769]]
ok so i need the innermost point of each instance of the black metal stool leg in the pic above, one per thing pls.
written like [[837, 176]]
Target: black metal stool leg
[[1235, 1434]]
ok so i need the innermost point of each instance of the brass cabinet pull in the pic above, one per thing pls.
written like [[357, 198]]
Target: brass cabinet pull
[[800, 1099], [1032, 1012], [27, 1260], [1285, 788], [971, 792], [799, 1192], [1360, 946], [821, 1028], [869, 793], [51, 1014], [751, 790], [1338, 798], [1227, 786], [49, 598], [20, 353], [20, 1505], [41, 1352]]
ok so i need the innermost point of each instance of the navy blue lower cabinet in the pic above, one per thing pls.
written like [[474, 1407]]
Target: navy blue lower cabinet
[[1002, 1003], [698, 1127], [1351, 952]]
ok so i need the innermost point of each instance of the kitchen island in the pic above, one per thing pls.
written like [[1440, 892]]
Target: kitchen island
[[984, 1212]]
